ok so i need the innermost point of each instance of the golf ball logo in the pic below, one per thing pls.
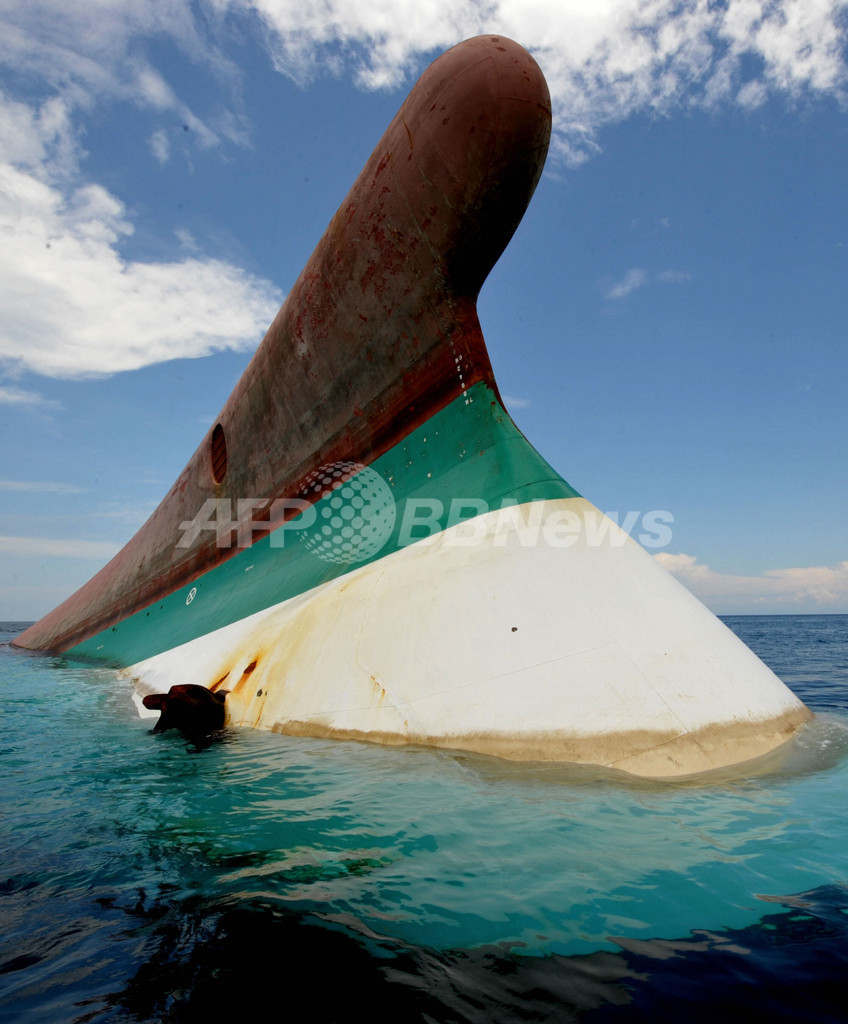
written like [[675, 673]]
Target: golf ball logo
[[355, 512]]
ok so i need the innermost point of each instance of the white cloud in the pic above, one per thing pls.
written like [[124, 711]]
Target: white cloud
[[129, 515], [187, 240], [810, 589], [161, 146], [86, 51], [637, 278], [73, 307], [752, 95], [32, 137], [632, 280], [673, 277], [40, 486], [18, 396], [604, 59], [57, 548]]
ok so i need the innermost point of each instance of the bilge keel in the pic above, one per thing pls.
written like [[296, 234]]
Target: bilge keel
[[366, 546]]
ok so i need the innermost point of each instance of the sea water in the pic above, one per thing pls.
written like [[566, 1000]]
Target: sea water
[[146, 879]]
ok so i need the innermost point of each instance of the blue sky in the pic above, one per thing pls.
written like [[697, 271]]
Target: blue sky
[[668, 325]]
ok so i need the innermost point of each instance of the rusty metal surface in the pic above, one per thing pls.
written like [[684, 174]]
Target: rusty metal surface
[[379, 332]]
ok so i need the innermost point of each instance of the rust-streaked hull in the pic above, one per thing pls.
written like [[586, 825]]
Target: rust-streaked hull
[[373, 386]]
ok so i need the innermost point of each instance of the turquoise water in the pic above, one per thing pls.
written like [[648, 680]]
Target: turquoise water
[[143, 879]]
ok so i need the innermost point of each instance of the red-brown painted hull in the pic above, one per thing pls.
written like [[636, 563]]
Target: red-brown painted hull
[[379, 332]]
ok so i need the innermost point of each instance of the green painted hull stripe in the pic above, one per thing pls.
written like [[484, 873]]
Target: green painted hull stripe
[[470, 453]]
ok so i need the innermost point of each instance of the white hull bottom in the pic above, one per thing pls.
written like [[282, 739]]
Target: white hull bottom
[[521, 634]]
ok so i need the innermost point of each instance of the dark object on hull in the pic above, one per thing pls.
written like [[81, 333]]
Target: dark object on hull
[[193, 710]]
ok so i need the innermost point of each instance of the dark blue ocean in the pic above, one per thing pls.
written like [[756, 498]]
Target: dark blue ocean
[[143, 879]]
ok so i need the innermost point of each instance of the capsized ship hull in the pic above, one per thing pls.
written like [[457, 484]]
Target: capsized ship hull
[[366, 546]]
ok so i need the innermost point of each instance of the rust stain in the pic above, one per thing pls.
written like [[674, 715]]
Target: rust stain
[[240, 687], [218, 682]]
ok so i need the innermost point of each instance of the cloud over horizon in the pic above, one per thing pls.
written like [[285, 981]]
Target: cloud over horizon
[[803, 589]]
